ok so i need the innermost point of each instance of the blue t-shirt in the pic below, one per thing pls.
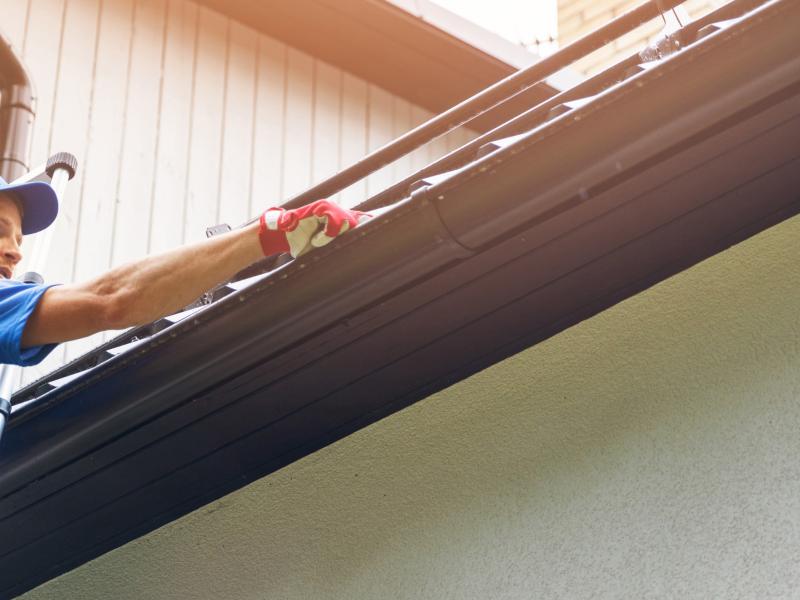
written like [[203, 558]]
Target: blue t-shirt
[[17, 302]]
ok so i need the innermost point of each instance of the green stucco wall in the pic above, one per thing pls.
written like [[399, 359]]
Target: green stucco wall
[[653, 451]]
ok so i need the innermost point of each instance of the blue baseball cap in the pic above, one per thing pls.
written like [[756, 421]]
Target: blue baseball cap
[[39, 203]]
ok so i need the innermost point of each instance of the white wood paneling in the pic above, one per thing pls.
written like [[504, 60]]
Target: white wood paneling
[[41, 51], [99, 174], [237, 141], [69, 132], [15, 17], [401, 123], [353, 141], [326, 150], [380, 128], [208, 105], [137, 166], [421, 156], [182, 118], [172, 148], [298, 113], [41, 47], [269, 134], [70, 122]]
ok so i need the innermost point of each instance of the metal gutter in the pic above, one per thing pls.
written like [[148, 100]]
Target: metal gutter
[[654, 120], [419, 298], [238, 332], [533, 117]]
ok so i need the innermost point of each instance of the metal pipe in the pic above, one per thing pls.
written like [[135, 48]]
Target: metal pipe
[[16, 113], [465, 153], [483, 101], [506, 90], [61, 168], [536, 114], [519, 124]]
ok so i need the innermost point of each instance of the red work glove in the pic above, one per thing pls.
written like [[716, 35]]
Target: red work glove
[[298, 230]]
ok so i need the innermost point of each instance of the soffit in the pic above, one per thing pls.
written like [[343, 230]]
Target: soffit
[[389, 46]]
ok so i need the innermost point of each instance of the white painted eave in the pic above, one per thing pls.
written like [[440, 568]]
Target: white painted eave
[[488, 42]]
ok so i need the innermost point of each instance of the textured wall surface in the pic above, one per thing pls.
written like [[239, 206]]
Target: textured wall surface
[[650, 452], [182, 118]]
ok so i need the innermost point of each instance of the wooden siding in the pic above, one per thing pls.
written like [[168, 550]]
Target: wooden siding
[[182, 118]]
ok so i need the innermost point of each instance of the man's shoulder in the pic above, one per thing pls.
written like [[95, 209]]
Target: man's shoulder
[[10, 285], [12, 291]]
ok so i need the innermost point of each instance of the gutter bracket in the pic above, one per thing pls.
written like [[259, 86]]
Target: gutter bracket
[[670, 40], [421, 195]]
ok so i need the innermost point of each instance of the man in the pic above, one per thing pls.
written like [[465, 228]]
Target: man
[[34, 318]]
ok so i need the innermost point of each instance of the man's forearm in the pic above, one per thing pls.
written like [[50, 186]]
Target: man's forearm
[[156, 286], [162, 284], [141, 291]]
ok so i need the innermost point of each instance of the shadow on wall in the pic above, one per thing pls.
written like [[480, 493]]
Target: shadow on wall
[[647, 450]]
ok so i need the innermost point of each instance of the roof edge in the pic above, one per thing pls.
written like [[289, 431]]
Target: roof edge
[[469, 32]]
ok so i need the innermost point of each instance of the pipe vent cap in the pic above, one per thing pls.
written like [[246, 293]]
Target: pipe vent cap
[[62, 160]]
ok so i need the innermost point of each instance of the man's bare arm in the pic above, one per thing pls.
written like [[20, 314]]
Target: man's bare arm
[[142, 291]]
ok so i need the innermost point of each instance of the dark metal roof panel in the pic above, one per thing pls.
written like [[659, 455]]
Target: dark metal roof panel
[[419, 298]]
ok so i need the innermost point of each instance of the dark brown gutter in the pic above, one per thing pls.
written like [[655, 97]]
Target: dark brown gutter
[[16, 113]]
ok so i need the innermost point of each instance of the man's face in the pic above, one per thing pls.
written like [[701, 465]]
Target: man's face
[[10, 235]]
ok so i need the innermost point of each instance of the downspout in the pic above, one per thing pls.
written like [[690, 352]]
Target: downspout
[[16, 113]]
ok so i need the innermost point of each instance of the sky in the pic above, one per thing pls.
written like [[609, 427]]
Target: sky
[[521, 21]]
